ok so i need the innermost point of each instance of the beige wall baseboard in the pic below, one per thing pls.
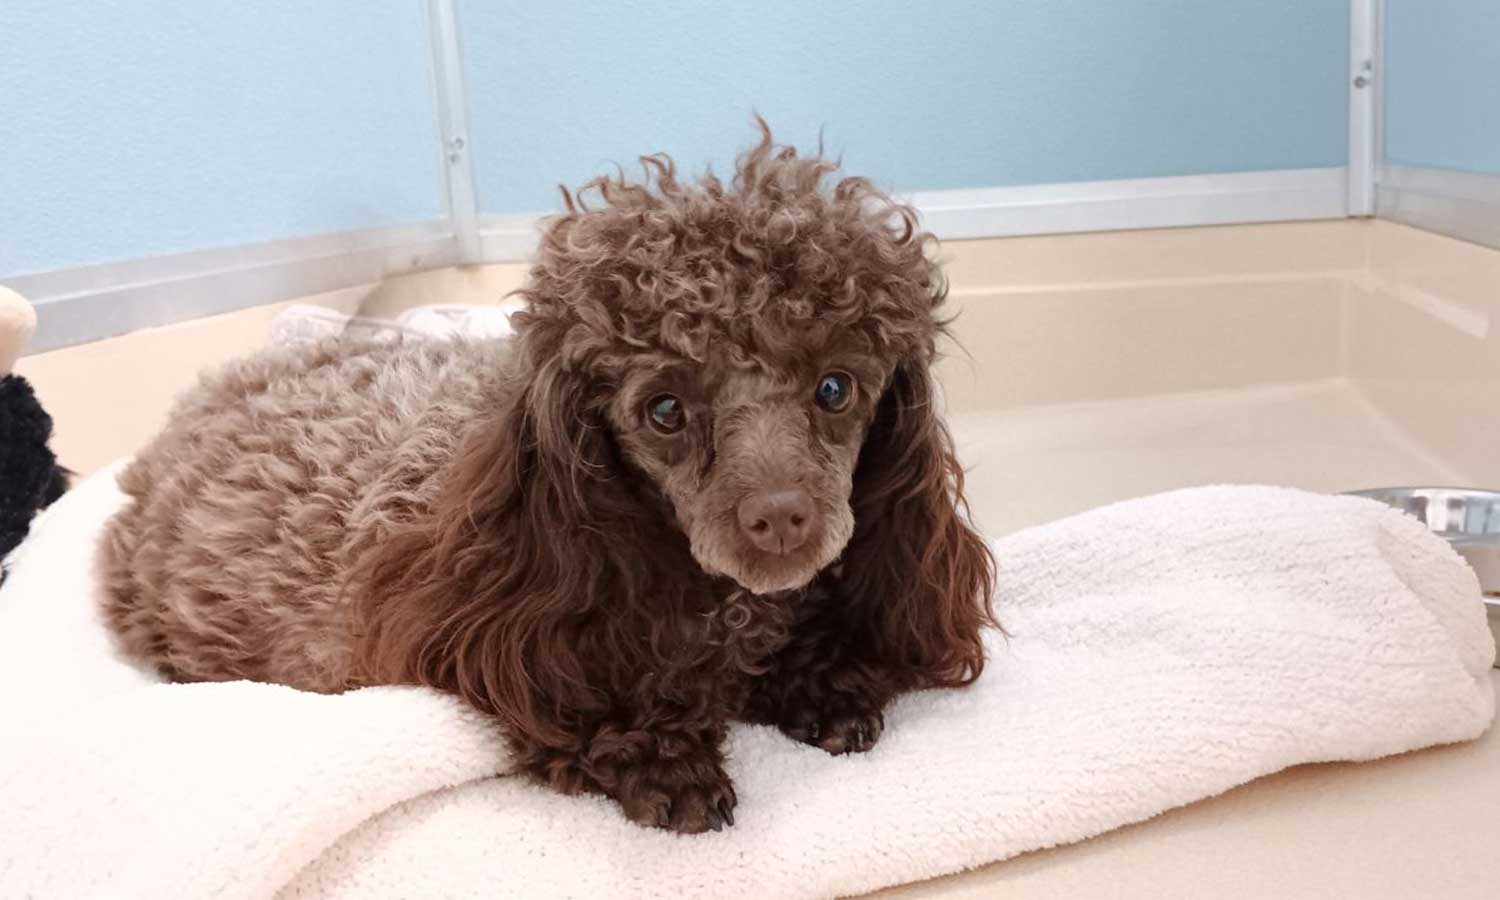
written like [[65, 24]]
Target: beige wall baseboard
[[1045, 320], [1124, 314], [1424, 343]]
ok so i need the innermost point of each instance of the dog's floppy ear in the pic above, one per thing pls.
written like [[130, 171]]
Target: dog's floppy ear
[[534, 530], [922, 574]]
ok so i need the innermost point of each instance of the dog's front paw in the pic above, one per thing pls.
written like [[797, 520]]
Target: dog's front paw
[[842, 724], [687, 795]]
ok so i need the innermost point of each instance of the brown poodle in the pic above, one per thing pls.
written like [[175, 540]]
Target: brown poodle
[[704, 482]]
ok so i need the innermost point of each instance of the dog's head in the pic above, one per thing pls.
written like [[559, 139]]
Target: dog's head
[[710, 381], [734, 346]]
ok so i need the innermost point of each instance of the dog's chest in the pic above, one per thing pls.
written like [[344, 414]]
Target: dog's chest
[[746, 629]]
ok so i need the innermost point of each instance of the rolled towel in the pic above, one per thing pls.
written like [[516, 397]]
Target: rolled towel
[[1161, 651]]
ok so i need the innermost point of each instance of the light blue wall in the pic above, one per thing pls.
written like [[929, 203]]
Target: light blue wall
[[919, 95], [1442, 84], [132, 128]]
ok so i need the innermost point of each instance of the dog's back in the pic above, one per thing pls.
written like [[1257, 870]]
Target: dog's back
[[271, 477]]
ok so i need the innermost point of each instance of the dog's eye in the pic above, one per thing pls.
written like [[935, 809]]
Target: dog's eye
[[834, 392], [665, 414]]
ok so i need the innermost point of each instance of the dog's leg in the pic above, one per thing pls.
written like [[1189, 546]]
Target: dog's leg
[[664, 771], [824, 687]]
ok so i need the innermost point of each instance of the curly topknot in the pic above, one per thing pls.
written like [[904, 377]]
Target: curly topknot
[[674, 264]]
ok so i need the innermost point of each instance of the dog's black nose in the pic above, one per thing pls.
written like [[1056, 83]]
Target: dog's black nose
[[778, 521]]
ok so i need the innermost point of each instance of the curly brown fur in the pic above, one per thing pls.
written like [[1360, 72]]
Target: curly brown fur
[[614, 576]]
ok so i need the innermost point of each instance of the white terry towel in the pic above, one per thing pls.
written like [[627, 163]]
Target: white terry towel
[[1163, 650]]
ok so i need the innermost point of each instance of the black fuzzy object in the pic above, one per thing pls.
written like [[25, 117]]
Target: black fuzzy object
[[30, 478]]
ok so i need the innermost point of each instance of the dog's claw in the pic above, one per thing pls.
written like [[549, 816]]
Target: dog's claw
[[814, 731], [715, 821], [726, 809], [860, 738]]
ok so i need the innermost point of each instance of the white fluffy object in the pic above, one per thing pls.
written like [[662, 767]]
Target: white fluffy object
[[1162, 650], [17, 322], [301, 322]]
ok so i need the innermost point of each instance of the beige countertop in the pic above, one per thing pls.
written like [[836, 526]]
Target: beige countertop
[[1421, 825], [1425, 824]]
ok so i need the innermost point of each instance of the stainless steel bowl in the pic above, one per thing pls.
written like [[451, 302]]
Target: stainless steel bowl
[[1469, 519]]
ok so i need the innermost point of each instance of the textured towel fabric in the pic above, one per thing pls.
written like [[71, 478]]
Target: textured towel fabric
[[1162, 650]]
